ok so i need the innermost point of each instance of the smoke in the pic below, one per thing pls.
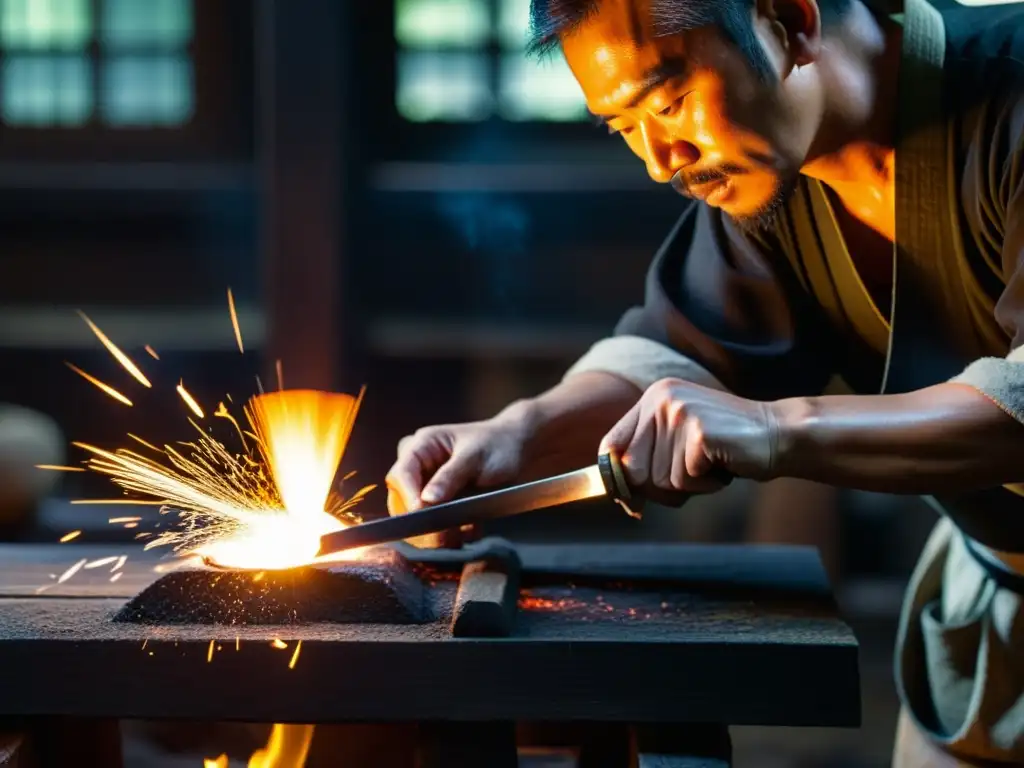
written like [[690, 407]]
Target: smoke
[[496, 231]]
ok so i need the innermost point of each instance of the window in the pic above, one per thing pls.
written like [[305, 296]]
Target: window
[[464, 60], [118, 63]]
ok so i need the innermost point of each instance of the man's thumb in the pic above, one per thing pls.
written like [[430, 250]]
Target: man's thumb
[[620, 436]]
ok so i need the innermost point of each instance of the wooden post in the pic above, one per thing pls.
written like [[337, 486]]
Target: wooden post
[[300, 156]]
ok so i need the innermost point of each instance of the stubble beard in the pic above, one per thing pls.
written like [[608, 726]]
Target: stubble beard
[[765, 217]]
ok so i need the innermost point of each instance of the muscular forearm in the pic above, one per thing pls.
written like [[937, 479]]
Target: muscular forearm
[[946, 438], [566, 423]]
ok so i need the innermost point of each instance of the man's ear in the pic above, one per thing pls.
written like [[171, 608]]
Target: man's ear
[[796, 24]]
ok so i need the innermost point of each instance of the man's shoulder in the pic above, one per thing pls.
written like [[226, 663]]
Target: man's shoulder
[[983, 37]]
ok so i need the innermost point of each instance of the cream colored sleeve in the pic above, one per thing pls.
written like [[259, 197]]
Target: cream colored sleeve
[[642, 362], [1001, 380]]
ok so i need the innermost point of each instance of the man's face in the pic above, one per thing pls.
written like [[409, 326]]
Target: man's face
[[691, 107]]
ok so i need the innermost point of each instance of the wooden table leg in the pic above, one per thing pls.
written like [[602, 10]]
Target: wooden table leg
[[58, 742], [605, 745], [682, 746], [467, 745]]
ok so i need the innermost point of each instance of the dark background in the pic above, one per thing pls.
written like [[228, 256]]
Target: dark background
[[396, 197]]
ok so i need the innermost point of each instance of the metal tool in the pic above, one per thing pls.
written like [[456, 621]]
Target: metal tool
[[604, 479]]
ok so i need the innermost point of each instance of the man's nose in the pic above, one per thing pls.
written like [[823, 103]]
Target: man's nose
[[666, 154]]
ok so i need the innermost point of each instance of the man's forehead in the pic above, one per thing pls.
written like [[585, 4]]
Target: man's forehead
[[626, 22], [616, 55]]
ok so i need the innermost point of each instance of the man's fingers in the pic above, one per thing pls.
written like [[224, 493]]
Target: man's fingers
[[404, 483], [691, 467], [451, 477], [418, 456]]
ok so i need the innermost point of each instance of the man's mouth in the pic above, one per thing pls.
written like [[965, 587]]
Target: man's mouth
[[711, 192]]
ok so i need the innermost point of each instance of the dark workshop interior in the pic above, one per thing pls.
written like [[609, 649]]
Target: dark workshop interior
[[397, 198]]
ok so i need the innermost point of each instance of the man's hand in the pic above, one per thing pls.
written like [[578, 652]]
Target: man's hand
[[437, 463], [678, 432], [551, 433]]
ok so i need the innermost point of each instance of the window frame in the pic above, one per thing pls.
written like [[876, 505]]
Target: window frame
[[220, 128], [401, 140]]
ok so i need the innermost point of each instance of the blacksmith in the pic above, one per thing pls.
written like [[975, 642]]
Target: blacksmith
[[860, 172]]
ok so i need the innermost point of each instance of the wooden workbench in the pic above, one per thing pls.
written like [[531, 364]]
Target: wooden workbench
[[722, 635]]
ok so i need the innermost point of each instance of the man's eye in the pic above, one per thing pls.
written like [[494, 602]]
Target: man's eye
[[674, 107]]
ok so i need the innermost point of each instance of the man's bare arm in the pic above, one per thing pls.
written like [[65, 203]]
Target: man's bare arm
[[566, 423], [944, 439]]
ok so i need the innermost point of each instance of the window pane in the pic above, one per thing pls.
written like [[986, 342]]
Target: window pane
[[444, 86], [35, 24], [539, 90], [514, 23], [438, 23], [146, 90], [46, 90], [149, 23]]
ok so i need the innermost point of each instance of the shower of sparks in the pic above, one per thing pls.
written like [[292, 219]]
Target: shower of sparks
[[151, 352], [278, 643], [120, 563], [70, 536], [121, 357], [117, 576], [100, 563], [108, 502], [99, 384], [264, 506], [71, 571], [295, 655], [189, 400], [59, 468], [209, 652], [234, 322]]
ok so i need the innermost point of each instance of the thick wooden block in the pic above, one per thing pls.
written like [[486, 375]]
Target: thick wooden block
[[488, 596]]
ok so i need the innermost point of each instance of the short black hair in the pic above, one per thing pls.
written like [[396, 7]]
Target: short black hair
[[551, 19]]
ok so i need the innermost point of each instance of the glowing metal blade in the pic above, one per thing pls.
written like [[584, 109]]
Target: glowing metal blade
[[587, 483]]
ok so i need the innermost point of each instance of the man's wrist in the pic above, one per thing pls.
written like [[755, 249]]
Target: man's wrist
[[795, 438]]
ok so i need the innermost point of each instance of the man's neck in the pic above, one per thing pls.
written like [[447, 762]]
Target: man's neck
[[859, 68]]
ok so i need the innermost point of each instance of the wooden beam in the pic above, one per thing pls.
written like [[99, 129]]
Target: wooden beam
[[300, 151]]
